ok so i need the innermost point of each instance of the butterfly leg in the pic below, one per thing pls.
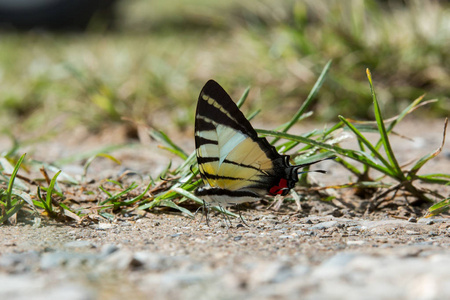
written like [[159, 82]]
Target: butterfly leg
[[240, 215], [205, 213], [225, 216], [194, 216]]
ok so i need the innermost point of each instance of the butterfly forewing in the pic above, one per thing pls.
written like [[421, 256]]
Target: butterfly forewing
[[234, 163]]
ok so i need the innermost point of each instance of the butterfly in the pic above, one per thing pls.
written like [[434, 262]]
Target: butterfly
[[235, 164]]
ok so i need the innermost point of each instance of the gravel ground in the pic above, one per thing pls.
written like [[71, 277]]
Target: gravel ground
[[166, 257]]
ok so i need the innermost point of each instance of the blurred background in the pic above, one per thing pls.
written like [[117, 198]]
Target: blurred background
[[90, 63]]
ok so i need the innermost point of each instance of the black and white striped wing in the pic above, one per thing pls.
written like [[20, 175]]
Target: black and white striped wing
[[235, 164]]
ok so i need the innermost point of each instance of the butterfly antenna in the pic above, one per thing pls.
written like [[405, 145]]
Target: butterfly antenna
[[312, 163], [190, 168]]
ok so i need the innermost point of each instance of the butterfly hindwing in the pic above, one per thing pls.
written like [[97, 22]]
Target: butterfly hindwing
[[236, 165]]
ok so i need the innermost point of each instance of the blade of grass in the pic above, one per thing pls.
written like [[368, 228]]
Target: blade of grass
[[419, 164], [352, 154], [51, 186], [87, 155], [172, 204], [9, 189], [366, 142], [118, 195], [243, 97], [170, 145], [383, 133], [438, 208], [140, 196], [92, 158], [11, 212]]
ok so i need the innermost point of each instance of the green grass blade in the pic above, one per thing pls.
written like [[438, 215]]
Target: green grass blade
[[51, 186], [400, 117], [87, 155], [383, 133], [172, 204], [42, 203], [140, 196], [349, 166], [438, 208], [12, 211], [163, 138], [118, 195], [366, 142], [9, 189], [352, 154], [115, 182], [437, 178], [422, 161], [243, 97], [92, 158]]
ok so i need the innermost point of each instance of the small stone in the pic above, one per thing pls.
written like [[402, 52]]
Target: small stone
[[18, 262], [175, 235], [103, 226], [269, 272], [237, 238], [354, 229], [356, 242], [285, 237], [412, 220], [120, 260], [336, 213], [412, 232], [108, 249], [324, 225], [79, 244]]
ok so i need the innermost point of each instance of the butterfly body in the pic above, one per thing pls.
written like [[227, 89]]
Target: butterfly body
[[235, 164]]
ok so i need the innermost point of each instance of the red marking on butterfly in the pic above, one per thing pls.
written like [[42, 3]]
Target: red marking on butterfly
[[280, 189]]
